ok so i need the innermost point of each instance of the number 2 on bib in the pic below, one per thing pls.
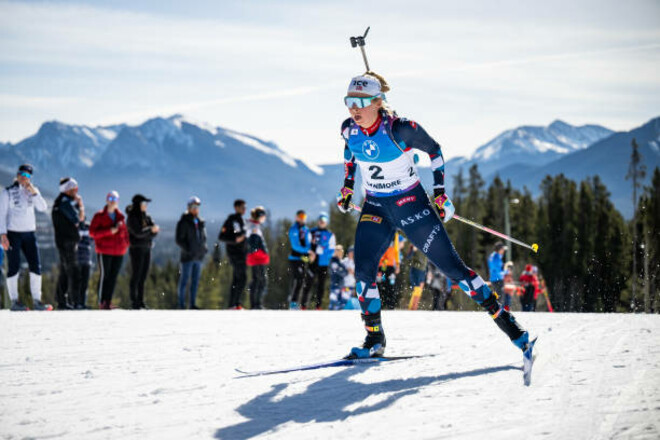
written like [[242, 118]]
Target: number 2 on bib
[[376, 172]]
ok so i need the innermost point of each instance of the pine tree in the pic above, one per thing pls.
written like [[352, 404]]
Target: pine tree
[[585, 252], [649, 215], [558, 206], [474, 212], [636, 172]]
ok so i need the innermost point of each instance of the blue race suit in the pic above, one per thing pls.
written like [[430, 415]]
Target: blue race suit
[[396, 200], [496, 267], [301, 243], [497, 272], [323, 245]]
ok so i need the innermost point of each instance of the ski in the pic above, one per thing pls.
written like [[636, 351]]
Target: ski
[[528, 362], [330, 364]]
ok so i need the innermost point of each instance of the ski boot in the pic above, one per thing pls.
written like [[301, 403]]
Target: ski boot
[[38, 305], [506, 322], [17, 306], [528, 361], [293, 305], [374, 344]]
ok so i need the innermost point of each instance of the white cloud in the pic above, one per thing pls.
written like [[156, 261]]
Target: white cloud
[[278, 70]]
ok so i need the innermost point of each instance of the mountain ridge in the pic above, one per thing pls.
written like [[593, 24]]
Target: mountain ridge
[[171, 158]]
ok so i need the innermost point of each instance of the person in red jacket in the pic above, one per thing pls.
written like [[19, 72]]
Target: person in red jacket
[[530, 284], [258, 257], [108, 229]]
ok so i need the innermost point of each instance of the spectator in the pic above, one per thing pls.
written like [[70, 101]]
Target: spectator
[[511, 289], [388, 270], [191, 238], [84, 262], [108, 229], [257, 257], [417, 275], [18, 233], [141, 232], [301, 252], [233, 234], [348, 292], [323, 246], [67, 215], [440, 287], [338, 273], [530, 285], [497, 272]]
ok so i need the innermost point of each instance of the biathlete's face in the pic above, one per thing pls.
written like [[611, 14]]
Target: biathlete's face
[[365, 117]]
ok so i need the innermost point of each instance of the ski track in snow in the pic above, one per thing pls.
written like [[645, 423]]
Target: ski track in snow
[[170, 375]]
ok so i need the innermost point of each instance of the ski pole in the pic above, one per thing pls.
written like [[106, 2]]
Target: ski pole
[[547, 298], [359, 42], [534, 247]]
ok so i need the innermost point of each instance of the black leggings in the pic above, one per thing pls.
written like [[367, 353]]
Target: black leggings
[[140, 261], [68, 278], [297, 269], [27, 243], [258, 286], [316, 274], [109, 265], [238, 282]]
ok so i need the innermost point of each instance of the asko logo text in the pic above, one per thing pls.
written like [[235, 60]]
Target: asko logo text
[[413, 218]]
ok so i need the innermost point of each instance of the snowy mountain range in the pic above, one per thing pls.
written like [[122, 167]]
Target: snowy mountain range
[[170, 159], [609, 158], [530, 145]]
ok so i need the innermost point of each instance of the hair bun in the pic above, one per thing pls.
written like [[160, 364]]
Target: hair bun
[[384, 86]]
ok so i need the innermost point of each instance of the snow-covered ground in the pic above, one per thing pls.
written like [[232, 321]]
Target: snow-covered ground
[[170, 375]]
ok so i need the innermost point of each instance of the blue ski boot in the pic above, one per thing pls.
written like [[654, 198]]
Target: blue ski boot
[[374, 344]]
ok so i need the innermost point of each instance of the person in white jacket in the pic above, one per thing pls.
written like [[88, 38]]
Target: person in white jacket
[[17, 233]]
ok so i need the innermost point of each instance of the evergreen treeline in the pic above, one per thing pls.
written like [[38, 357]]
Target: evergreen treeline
[[585, 248]]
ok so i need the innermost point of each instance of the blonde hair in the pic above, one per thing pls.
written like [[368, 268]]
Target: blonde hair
[[384, 88]]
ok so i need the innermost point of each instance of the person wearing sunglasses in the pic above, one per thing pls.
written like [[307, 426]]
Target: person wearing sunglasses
[[110, 234], [18, 234], [381, 145]]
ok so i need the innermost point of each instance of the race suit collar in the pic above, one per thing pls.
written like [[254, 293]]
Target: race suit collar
[[371, 130]]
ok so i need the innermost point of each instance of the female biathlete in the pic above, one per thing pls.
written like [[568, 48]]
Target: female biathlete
[[380, 144]]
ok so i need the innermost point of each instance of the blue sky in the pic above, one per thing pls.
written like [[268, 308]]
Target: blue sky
[[279, 69]]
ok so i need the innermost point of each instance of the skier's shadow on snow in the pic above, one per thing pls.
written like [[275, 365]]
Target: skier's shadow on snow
[[327, 399]]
